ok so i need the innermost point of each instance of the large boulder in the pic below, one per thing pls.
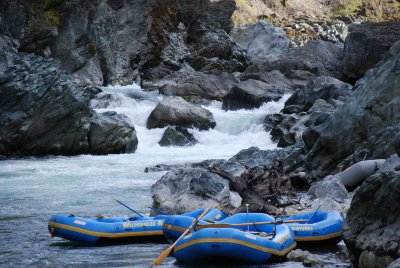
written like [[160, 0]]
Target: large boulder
[[41, 110], [259, 176], [112, 133], [366, 45], [184, 190], [372, 223], [193, 85], [372, 107], [176, 111], [301, 64], [251, 94], [261, 40]]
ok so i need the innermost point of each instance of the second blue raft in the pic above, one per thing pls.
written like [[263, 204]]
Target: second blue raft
[[250, 244]]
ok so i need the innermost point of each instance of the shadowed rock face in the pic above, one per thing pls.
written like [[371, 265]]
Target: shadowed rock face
[[115, 42], [374, 106], [41, 110], [371, 227], [366, 45], [176, 111]]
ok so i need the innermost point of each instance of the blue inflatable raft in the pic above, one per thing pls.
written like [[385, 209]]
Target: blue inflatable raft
[[320, 227], [110, 230], [255, 243], [175, 225]]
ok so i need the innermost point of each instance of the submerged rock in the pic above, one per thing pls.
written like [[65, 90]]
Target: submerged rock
[[177, 136], [177, 112], [184, 190], [112, 133]]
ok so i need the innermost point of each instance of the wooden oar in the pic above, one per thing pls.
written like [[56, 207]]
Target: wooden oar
[[227, 225], [166, 252]]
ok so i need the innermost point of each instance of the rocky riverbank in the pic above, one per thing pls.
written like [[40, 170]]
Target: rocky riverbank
[[343, 76]]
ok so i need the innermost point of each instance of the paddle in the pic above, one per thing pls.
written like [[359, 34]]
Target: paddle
[[227, 225], [312, 216], [159, 211], [166, 252], [140, 215]]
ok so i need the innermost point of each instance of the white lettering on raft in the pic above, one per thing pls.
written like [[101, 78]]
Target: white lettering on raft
[[128, 225], [79, 222]]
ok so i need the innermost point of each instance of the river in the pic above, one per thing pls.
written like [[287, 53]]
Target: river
[[32, 189]]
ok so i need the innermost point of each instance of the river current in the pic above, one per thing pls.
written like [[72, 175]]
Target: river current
[[32, 189]]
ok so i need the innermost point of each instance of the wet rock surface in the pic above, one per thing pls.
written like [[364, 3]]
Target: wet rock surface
[[251, 94], [176, 111], [177, 137], [112, 133]]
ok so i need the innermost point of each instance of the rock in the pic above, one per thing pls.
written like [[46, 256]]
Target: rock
[[261, 40], [184, 190], [250, 94], [203, 164], [176, 111], [371, 228], [105, 100], [395, 264], [330, 186], [301, 64], [112, 133], [259, 176], [308, 259], [41, 110], [193, 85], [215, 52], [366, 45], [324, 87], [368, 112], [177, 137]]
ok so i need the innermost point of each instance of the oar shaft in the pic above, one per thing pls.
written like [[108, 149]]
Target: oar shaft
[[159, 211], [227, 225], [140, 215], [166, 252]]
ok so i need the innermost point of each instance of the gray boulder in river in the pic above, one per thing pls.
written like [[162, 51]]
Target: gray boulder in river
[[371, 230], [112, 133], [183, 190], [251, 94], [177, 136], [176, 111]]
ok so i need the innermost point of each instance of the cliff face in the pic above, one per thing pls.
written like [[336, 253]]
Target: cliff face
[[116, 41]]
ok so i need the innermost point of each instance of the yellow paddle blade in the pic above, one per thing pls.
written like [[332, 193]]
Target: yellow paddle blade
[[162, 256], [166, 252]]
